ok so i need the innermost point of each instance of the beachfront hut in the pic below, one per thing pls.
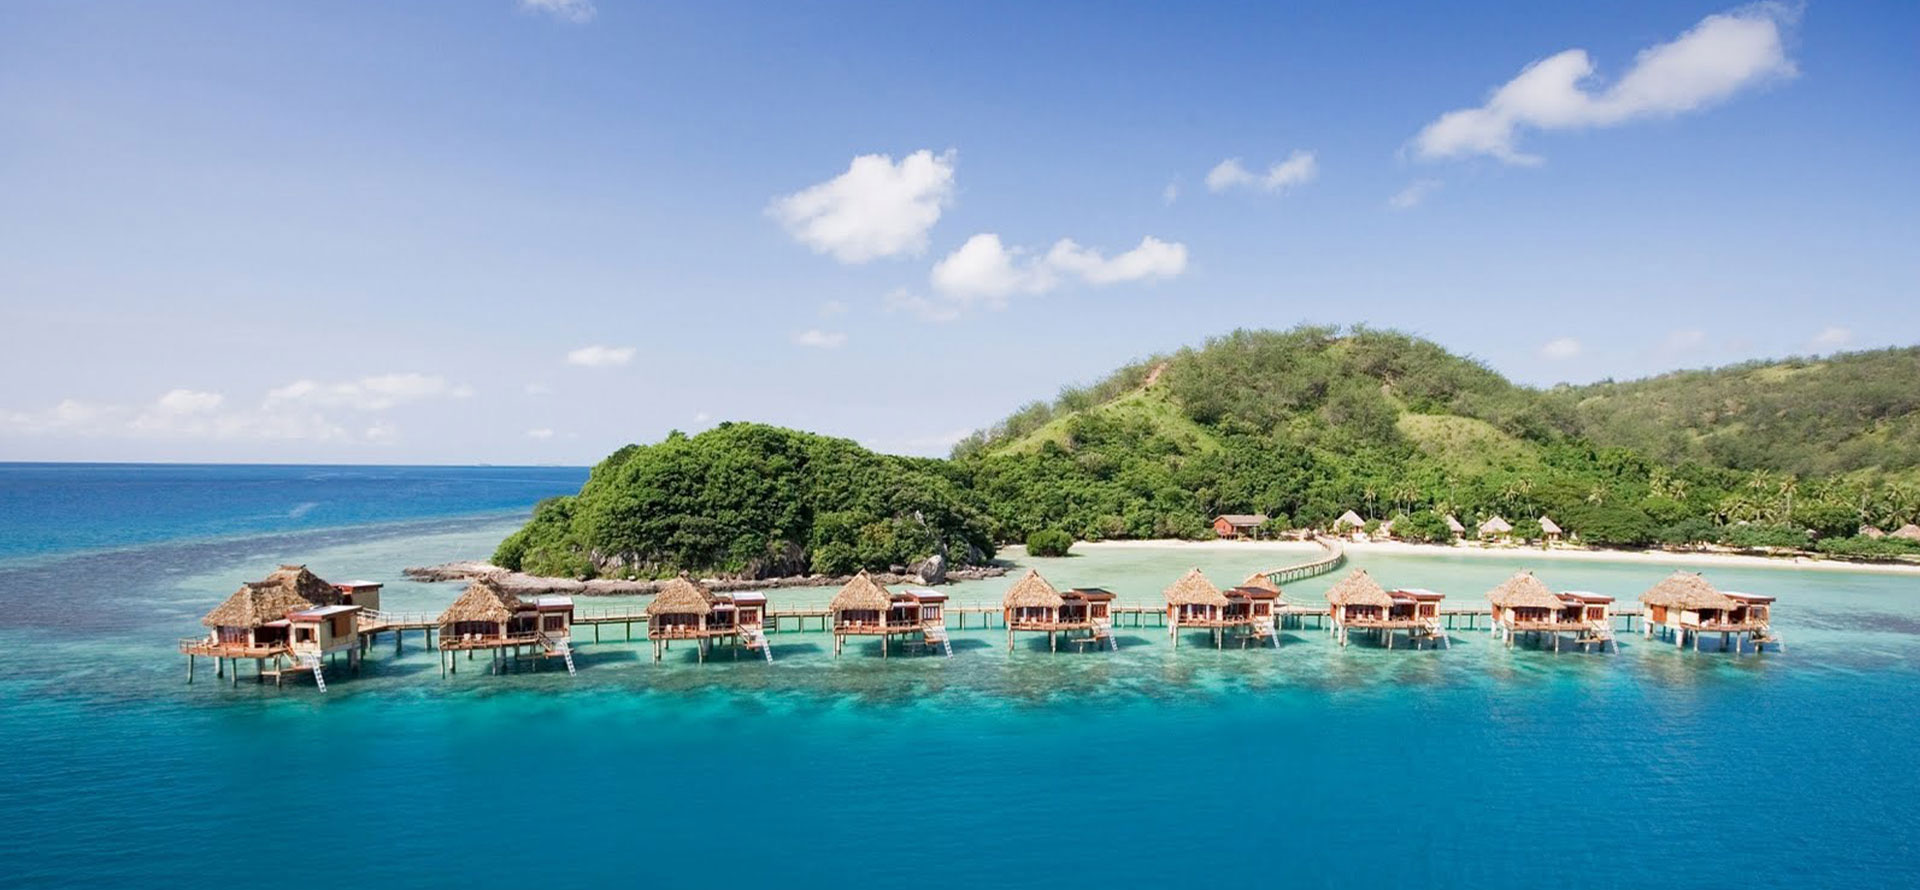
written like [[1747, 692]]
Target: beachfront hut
[[1868, 531], [1550, 529], [257, 622], [1360, 602], [1908, 532], [865, 607], [684, 609], [1686, 604], [1453, 525], [1524, 605], [489, 618], [1495, 528], [1348, 522], [1239, 525]]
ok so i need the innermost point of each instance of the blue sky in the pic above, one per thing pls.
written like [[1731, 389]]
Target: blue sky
[[499, 231]]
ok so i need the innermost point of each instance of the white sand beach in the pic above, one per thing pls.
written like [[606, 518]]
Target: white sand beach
[[1662, 557]]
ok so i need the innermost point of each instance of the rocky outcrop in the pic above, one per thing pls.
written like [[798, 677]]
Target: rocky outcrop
[[523, 584]]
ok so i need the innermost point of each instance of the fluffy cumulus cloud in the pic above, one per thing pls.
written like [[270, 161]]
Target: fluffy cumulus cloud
[[1414, 194], [1722, 55], [984, 269], [1560, 349], [600, 356], [819, 339], [301, 410], [878, 208], [576, 11], [1298, 169]]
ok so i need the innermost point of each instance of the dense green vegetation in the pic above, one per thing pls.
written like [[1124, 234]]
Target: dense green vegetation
[[1314, 421], [1049, 542], [750, 499], [1301, 425]]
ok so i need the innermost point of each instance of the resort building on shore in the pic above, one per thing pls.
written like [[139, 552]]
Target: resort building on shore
[[1453, 525], [1550, 530], [1523, 604], [1359, 603], [1193, 602], [684, 609], [1685, 606], [1908, 532], [1032, 605], [1240, 526], [291, 622], [865, 607], [1495, 529], [1348, 523], [489, 618]]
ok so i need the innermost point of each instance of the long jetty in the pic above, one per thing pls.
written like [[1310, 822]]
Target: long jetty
[[818, 619]]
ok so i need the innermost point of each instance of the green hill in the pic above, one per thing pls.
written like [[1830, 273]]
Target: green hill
[[1314, 421]]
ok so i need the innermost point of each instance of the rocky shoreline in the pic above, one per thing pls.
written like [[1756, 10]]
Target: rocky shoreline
[[533, 585]]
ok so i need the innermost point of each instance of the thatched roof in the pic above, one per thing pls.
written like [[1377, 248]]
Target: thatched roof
[[1193, 589], [1549, 526], [1869, 531], [1496, 526], [1032, 591], [1686, 590], [1349, 519], [484, 600], [1359, 589], [1242, 520], [1909, 531], [1523, 591], [681, 596], [862, 593], [1262, 581], [1453, 522], [255, 604]]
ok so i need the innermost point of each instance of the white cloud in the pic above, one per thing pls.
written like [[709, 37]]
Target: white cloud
[[819, 339], [184, 402], [1560, 349], [1415, 193], [382, 433], [69, 416], [540, 433], [1298, 169], [576, 11], [938, 311], [376, 393], [600, 356], [986, 270], [832, 308], [876, 209], [1831, 339], [1722, 55], [1170, 194]]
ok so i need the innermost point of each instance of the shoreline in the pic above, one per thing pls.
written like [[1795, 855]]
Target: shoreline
[[535, 585], [1651, 557]]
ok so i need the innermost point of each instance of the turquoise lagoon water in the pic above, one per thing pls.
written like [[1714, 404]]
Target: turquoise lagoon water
[[1307, 766]]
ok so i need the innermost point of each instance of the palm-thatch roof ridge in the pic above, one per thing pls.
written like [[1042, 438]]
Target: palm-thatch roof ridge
[[305, 585], [681, 596], [483, 600], [1550, 527], [1686, 590], [1359, 589], [1523, 591], [1032, 591], [1262, 581], [1909, 531], [1496, 526], [1193, 589], [861, 593], [255, 604]]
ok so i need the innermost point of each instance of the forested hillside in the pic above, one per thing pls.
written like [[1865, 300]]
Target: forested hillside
[[1308, 423]]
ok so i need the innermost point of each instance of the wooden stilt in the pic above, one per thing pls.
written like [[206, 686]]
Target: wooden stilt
[[189, 670]]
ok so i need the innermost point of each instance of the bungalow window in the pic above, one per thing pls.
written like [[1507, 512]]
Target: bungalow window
[[303, 634], [555, 622]]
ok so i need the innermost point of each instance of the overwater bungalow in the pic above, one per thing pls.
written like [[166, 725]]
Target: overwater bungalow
[[1359, 602], [684, 609], [365, 594], [1257, 600], [1524, 605], [489, 618], [1685, 605], [1193, 602], [865, 607], [288, 623], [1032, 605]]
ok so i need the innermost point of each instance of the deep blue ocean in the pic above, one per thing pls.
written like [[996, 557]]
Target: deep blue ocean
[[1307, 766]]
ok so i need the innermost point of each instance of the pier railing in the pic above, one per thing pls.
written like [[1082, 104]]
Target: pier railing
[[1333, 558]]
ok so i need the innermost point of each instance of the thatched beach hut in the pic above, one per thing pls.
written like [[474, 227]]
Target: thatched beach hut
[[1684, 604], [1453, 525], [1550, 529], [289, 622], [865, 607], [1033, 605], [684, 609], [1908, 532], [489, 618], [1523, 604], [1495, 529]]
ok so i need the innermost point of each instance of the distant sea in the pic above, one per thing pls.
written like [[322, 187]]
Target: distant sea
[[1307, 766]]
